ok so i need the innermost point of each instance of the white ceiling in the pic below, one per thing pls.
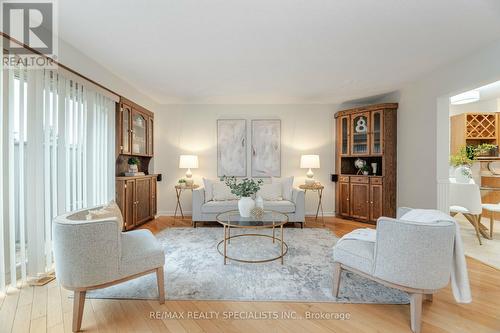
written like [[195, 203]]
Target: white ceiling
[[275, 51]]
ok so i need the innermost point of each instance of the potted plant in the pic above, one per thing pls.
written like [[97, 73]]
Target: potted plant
[[486, 149], [133, 163], [462, 163], [182, 182], [365, 170], [243, 189]]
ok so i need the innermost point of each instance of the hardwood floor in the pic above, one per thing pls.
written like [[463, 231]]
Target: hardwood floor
[[48, 308]]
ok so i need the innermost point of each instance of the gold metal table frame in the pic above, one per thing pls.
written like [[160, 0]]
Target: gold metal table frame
[[319, 189], [228, 224]]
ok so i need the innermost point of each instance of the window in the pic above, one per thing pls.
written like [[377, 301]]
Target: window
[[56, 130]]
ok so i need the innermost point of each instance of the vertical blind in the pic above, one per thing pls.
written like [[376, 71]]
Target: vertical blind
[[55, 142]]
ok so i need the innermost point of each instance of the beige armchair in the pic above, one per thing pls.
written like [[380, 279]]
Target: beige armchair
[[94, 254], [410, 256]]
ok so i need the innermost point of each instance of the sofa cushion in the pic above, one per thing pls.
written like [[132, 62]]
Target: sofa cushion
[[282, 206], [219, 206], [222, 192], [215, 207], [270, 191], [357, 254]]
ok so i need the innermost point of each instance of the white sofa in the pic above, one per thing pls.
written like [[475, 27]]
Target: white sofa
[[208, 210]]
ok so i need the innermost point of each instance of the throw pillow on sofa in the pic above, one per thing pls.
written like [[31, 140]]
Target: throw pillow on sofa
[[221, 192], [209, 190], [271, 192], [286, 187]]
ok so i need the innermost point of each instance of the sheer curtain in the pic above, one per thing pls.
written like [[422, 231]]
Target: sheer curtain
[[57, 149]]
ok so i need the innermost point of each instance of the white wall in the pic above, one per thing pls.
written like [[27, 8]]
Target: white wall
[[81, 63], [422, 110], [191, 129]]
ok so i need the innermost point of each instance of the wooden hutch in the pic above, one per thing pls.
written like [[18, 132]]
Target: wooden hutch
[[367, 133], [136, 196]]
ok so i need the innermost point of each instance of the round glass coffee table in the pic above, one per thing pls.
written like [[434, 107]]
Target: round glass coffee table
[[269, 220]]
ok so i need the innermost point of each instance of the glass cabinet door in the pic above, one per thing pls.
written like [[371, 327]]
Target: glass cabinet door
[[377, 130], [150, 137], [126, 113], [344, 135], [139, 132], [359, 136]]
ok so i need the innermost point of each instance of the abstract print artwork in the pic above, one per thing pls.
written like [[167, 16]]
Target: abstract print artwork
[[231, 147], [266, 148]]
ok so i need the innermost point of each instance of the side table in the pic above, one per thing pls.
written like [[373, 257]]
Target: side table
[[319, 189], [178, 192]]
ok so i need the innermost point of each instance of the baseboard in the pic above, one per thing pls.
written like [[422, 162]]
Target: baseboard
[[189, 213]]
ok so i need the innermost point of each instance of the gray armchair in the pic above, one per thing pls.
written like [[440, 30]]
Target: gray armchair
[[94, 254], [411, 256]]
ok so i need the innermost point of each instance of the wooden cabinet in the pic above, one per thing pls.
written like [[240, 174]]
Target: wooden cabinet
[[359, 201], [376, 133], [136, 197], [360, 197], [367, 133], [344, 206], [134, 132], [123, 129], [343, 137], [150, 136], [472, 129], [360, 133], [375, 202]]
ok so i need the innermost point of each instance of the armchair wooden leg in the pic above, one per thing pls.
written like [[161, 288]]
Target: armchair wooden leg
[[161, 285], [416, 312], [78, 304], [337, 272], [428, 297]]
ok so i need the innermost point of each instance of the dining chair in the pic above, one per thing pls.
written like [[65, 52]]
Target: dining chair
[[465, 199]]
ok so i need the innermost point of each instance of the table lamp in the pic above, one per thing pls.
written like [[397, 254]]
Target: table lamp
[[188, 162], [309, 162]]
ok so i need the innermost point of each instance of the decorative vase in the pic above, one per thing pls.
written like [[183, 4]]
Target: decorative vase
[[245, 206], [463, 174], [133, 168], [259, 202], [374, 168], [365, 173]]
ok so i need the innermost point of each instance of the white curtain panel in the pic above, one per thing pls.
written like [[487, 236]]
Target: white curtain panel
[[56, 145]]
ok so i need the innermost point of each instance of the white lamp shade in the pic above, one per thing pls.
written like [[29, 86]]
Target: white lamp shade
[[188, 162], [309, 162]]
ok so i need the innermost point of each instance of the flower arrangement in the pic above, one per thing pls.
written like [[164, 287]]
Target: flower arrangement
[[244, 188]]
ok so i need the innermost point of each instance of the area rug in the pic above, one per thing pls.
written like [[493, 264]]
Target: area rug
[[489, 252], [195, 270]]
